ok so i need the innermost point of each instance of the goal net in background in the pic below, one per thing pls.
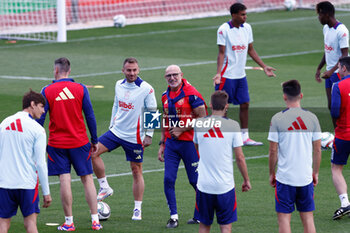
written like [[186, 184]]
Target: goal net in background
[[47, 20]]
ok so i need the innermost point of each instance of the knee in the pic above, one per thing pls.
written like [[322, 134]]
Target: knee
[[169, 181], [136, 169]]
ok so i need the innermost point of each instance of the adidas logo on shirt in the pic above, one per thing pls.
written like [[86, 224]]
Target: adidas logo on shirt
[[65, 94], [298, 125], [13, 125], [212, 134]]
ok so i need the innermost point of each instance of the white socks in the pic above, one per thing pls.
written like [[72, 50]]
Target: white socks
[[94, 217], [68, 220], [245, 134], [138, 205], [344, 200], [174, 216], [103, 182]]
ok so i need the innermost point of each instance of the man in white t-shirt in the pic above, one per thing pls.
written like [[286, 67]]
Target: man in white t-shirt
[[235, 41], [216, 186], [23, 164], [336, 45], [295, 147], [132, 96]]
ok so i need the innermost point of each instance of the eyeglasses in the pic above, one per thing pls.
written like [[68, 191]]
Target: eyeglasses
[[175, 75]]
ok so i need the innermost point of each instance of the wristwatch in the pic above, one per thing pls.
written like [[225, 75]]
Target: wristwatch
[[161, 142]]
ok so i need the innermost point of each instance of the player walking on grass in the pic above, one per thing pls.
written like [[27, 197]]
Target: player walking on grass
[[216, 185], [22, 159], [68, 142], [295, 147], [336, 45], [235, 40], [340, 112], [132, 96], [181, 103]]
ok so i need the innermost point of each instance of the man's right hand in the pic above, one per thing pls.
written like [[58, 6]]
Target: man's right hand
[[217, 79], [47, 201], [161, 152]]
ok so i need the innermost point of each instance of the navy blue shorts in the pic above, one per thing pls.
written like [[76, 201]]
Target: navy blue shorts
[[224, 204], [287, 196], [335, 77], [133, 151], [26, 199], [60, 160], [237, 90], [340, 151]]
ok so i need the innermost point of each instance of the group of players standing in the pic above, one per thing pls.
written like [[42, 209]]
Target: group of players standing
[[23, 141]]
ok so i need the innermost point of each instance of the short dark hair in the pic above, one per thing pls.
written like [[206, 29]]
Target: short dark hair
[[291, 88], [32, 96], [219, 100], [345, 61], [237, 7], [325, 7], [130, 60], [63, 64]]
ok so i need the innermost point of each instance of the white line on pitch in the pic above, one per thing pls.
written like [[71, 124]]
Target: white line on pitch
[[155, 170], [169, 31], [157, 67]]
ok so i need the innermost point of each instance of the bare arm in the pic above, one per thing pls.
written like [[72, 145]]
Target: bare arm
[[328, 73], [319, 68], [254, 55], [161, 146], [242, 166], [316, 145], [273, 152], [220, 62]]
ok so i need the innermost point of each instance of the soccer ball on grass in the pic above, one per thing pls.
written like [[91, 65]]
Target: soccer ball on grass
[[290, 5], [103, 210], [119, 21]]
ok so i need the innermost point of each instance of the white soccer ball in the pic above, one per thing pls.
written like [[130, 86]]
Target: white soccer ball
[[103, 210], [327, 140], [119, 21], [290, 5]]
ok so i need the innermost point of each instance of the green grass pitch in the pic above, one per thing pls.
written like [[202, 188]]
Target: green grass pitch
[[292, 42]]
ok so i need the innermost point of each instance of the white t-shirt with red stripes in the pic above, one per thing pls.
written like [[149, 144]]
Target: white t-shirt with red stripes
[[215, 145], [22, 153], [236, 41], [294, 129]]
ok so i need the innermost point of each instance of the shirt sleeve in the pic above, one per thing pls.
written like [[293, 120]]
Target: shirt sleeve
[[237, 136], [250, 34], [89, 116], [41, 121], [151, 105], [273, 132], [195, 101], [336, 101], [39, 158], [317, 133], [343, 38], [221, 36], [114, 107]]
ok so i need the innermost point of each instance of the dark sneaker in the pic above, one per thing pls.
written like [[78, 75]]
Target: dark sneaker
[[193, 221], [172, 223], [341, 212]]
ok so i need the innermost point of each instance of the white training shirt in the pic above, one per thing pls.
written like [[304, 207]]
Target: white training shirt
[[236, 41], [215, 145], [22, 153], [294, 130], [335, 38], [130, 100]]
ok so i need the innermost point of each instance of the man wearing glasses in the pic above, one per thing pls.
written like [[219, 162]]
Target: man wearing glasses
[[181, 104]]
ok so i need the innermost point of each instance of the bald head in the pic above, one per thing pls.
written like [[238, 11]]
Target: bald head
[[173, 76]]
